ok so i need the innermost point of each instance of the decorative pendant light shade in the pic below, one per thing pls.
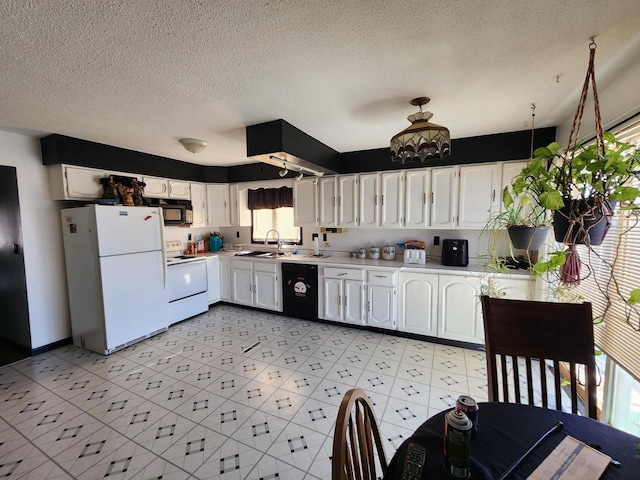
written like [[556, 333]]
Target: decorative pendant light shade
[[421, 141]]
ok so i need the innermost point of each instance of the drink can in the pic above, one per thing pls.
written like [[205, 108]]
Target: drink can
[[457, 443], [470, 407]]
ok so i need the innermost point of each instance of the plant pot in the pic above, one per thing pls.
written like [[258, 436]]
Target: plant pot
[[590, 224], [527, 238]]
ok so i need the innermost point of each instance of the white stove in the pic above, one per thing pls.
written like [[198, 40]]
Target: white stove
[[186, 283], [173, 252]]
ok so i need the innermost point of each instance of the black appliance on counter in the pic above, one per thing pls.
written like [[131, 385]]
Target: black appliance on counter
[[455, 253], [300, 290]]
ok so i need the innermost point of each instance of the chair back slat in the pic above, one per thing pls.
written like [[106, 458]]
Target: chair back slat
[[529, 381], [521, 330], [543, 383], [357, 444], [573, 380], [516, 378]]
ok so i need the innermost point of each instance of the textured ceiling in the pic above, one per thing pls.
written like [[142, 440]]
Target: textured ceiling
[[141, 74]]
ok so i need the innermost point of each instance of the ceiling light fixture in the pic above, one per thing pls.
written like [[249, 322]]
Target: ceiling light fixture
[[193, 145], [421, 141], [299, 176], [283, 172], [294, 167]]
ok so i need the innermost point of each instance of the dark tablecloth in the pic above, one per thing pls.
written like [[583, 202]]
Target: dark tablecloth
[[506, 431]]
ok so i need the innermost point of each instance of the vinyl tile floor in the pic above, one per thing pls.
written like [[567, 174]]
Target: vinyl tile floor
[[196, 402]]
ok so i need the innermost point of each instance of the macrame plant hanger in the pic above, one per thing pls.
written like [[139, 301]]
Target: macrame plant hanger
[[570, 271]]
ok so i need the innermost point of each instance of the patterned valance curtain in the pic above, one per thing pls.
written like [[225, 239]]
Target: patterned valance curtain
[[270, 198]]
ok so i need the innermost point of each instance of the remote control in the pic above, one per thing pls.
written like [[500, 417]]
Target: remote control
[[413, 462]]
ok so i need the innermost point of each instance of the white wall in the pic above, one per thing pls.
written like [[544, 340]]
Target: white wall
[[42, 236], [619, 99], [354, 238]]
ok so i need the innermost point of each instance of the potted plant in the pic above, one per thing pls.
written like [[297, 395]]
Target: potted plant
[[581, 186]]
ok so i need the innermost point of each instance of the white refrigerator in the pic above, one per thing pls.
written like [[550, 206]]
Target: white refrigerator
[[115, 275]]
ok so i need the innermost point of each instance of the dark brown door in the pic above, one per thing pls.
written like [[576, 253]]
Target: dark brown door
[[14, 320]]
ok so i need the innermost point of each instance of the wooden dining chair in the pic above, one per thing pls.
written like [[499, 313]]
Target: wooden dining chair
[[539, 333], [355, 437]]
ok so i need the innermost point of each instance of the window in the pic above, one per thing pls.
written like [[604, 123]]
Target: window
[[280, 219], [618, 336]]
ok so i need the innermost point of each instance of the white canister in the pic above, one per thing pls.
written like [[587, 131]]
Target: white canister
[[374, 252], [362, 253], [389, 252]]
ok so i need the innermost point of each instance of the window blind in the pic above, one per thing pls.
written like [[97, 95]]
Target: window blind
[[617, 331]]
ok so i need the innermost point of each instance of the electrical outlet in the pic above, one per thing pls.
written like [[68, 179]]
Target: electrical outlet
[[436, 240], [237, 234]]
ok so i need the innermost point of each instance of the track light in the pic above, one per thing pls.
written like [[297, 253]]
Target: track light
[[293, 167], [299, 176]]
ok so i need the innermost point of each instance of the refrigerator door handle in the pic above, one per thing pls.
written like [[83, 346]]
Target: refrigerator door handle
[[162, 244]]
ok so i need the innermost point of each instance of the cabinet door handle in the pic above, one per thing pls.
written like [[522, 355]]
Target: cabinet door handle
[[339, 300], [334, 200], [381, 199], [424, 198], [368, 306], [431, 197], [164, 187], [345, 301], [342, 274], [494, 195], [375, 199], [339, 201], [380, 276]]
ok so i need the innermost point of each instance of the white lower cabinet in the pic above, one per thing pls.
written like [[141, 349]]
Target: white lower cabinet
[[418, 303], [213, 279], [225, 279], [459, 310], [256, 284], [342, 295], [381, 299]]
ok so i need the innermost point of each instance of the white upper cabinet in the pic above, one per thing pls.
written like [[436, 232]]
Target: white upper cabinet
[[391, 199], [417, 189], [239, 213], [305, 202], [218, 205], [368, 199], [179, 190], [328, 202], [509, 171], [444, 197], [479, 194], [157, 187], [68, 182], [199, 204], [347, 186]]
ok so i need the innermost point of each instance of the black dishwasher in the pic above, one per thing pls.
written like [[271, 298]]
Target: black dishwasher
[[300, 290]]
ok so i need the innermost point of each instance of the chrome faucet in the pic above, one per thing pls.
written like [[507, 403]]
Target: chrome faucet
[[279, 243]]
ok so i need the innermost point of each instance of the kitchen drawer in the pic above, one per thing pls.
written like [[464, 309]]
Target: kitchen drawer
[[344, 273], [383, 278], [269, 267]]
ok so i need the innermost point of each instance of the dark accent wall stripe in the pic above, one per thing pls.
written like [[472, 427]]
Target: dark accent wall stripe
[[281, 136]]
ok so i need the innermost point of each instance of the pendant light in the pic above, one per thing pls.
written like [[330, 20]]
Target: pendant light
[[421, 141]]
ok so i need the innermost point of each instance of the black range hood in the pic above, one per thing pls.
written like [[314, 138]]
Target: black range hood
[[270, 141]]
